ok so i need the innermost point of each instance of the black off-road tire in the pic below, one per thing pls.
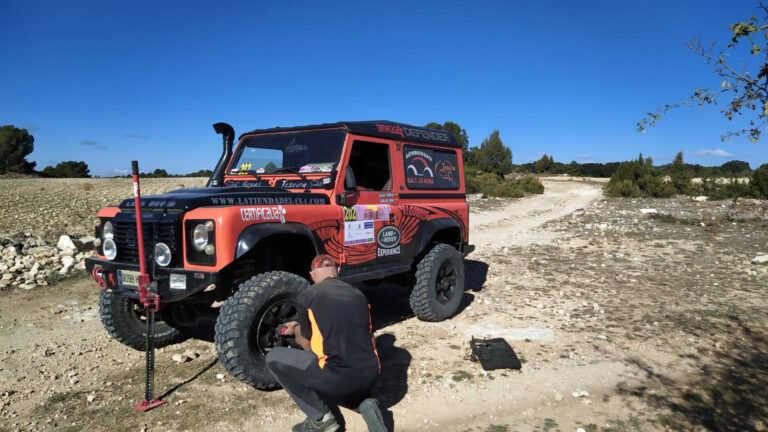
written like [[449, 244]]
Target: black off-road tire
[[246, 323], [439, 286], [122, 318]]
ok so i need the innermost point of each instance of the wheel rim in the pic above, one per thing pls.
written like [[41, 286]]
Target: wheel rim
[[138, 313], [263, 336], [445, 283]]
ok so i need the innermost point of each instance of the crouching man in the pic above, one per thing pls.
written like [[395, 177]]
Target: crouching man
[[339, 361]]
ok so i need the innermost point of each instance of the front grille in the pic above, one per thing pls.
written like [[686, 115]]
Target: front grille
[[157, 227]]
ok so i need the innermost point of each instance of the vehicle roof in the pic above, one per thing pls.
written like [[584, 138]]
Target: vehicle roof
[[377, 128]]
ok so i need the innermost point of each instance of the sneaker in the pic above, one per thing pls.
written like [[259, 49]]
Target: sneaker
[[327, 424], [371, 413]]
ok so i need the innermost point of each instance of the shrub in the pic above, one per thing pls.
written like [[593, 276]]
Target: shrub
[[506, 189], [531, 185], [492, 185], [656, 187], [622, 188], [719, 190], [759, 182]]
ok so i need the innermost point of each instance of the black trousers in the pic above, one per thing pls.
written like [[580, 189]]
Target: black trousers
[[311, 387]]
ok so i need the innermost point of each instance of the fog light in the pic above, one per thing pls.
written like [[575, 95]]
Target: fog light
[[162, 254], [110, 249], [97, 242], [178, 281], [209, 250]]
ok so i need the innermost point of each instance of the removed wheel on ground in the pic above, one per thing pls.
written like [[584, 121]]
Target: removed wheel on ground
[[125, 320], [247, 324], [439, 285]]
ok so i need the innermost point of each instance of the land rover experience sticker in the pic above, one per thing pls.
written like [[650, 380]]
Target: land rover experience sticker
[[389, 241]]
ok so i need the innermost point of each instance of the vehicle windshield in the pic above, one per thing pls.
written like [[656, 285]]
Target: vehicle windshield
[[291, 152]]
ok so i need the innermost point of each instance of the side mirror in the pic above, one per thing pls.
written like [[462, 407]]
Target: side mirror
[[349, 179]]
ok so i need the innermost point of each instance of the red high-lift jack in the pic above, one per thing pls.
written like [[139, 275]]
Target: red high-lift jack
[[148, 297]]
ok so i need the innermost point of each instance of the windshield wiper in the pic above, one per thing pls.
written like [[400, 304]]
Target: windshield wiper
[[255, 174], [290, 170]]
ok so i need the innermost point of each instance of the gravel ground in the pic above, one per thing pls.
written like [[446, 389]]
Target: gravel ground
[[624, 319]]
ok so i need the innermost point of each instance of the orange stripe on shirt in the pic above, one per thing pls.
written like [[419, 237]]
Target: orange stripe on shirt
[[373, 338], [316, 341]]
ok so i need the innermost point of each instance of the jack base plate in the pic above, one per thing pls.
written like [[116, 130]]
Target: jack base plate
[[146, 405]]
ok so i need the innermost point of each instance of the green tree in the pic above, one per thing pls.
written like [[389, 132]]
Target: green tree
[[744, 88], [68, 169], [15, 145], [680, 174], [201, 173], [545, 164], [493, 156], [270, 167], [759, 182], [159, 172], [735, 167], [572, 169], [457, 131]]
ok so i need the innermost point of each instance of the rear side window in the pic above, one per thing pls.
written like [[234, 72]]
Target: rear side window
[[427, 168]]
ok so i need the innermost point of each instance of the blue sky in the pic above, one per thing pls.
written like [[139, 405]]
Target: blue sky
[[107, 82]]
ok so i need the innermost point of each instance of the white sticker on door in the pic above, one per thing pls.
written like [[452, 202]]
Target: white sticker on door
[[358, 232]]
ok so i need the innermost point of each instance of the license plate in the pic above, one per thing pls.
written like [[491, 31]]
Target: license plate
[[128, 278]]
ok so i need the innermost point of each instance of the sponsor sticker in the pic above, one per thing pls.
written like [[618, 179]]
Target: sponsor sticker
[[388, 239], [263, 214], [358, 232], [350, 214]]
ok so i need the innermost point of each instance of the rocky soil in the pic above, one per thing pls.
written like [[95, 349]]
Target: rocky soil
[[628, 315]]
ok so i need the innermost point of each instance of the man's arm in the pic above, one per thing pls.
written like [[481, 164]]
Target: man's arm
[[301, 340]]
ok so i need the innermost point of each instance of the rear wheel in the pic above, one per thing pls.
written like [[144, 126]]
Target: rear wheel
[[125, 319], [439, 284], [246, 328]]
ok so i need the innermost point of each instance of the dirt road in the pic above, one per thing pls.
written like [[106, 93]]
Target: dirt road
[[618, 319]]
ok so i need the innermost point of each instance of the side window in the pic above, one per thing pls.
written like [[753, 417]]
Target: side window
[[427, 168], [370, 163]]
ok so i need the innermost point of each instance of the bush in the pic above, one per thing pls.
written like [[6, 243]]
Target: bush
[[759, 182], [506, 189], [491, 185], [481, 182], [718, 190], [656, 187], [531, 185], [622, 188]]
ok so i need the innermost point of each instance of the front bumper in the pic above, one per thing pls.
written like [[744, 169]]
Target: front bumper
[[196, 281]]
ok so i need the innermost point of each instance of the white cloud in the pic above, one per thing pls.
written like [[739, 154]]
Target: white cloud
[[119, 171], [718, 153]]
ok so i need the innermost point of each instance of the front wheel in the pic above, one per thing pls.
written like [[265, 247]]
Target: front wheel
[[247, 324], [125, 320], [439, 284]]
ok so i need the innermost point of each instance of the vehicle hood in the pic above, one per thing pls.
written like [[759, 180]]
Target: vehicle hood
[[191, 198]]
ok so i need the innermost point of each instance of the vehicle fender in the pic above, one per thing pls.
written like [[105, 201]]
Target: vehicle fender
[[251, 235], [431, 227]]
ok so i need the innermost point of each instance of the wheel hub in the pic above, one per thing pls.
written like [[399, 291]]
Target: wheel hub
[[445, 284], [264, 335]]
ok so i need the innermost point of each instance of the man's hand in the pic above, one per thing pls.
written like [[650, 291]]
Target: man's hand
[[290, 328]]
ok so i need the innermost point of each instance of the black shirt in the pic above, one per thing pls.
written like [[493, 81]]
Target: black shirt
[[336, 318]]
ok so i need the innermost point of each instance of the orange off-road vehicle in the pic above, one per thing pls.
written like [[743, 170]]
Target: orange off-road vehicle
[[382, 198]]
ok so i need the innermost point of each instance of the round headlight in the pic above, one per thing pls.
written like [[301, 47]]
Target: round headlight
[[109, 231], [200, 237], [162, 254], [109, 248], [96, 221]]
